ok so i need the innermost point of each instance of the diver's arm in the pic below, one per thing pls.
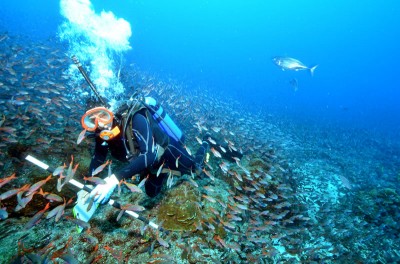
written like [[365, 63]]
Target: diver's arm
[[147, 146], [100, 155], [144, 135]]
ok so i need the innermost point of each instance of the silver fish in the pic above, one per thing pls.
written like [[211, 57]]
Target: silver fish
[[287, 63]]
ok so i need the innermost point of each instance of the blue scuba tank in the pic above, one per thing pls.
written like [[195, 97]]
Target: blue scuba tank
[[163, 119]]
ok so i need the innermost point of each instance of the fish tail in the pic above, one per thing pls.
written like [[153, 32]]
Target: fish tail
[[312, 69]]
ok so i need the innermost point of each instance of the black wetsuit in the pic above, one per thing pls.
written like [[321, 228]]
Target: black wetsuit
[[147, 161]]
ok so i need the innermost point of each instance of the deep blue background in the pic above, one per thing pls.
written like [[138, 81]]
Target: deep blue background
[[228, 46]]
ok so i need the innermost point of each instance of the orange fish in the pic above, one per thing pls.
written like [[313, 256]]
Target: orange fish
[[100, 168], [220, 241], [37, 185], [13, 192], [36, 218], [215, 152], [208, 174], [50, 196], [162, 241], [209, 198], [95, 180], [132, 187], [57, 212], [133, 207], [7, 180], [81, 137], [59, 170]]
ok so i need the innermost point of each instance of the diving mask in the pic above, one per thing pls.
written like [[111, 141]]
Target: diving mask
[[100, 118], [97, 117]]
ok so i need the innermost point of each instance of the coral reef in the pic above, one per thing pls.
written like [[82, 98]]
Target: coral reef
[[179, 211]]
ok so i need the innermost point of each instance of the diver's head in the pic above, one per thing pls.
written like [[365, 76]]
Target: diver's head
[[93, 101], [123, 106], [106, 121], [100, 119], [119, 105]]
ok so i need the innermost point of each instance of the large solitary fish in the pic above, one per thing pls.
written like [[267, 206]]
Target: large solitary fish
[[287, 63]]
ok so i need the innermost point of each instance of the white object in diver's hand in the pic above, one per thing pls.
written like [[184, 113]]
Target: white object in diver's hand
[[102, 192]]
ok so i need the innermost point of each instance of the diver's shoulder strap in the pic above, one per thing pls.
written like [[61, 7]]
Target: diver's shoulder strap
[[161, 138], [129, 137], [127, 133]]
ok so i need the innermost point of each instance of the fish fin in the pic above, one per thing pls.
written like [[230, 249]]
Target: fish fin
[[312, 69]]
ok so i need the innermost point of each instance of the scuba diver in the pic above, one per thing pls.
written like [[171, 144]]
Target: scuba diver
[[139, 132]]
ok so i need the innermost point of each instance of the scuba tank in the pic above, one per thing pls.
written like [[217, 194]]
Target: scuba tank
[[163, 119]]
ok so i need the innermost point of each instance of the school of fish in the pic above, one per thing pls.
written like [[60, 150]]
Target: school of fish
[[251, 209]]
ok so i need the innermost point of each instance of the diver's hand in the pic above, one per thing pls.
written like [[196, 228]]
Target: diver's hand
[[102, 192]]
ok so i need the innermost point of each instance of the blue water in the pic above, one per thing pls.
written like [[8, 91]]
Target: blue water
[[228, 46]]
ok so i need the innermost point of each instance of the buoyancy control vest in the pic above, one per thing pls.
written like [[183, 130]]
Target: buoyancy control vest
[[161, 125]]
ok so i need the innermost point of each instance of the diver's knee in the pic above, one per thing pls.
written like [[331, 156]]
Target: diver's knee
[[153, 185]]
